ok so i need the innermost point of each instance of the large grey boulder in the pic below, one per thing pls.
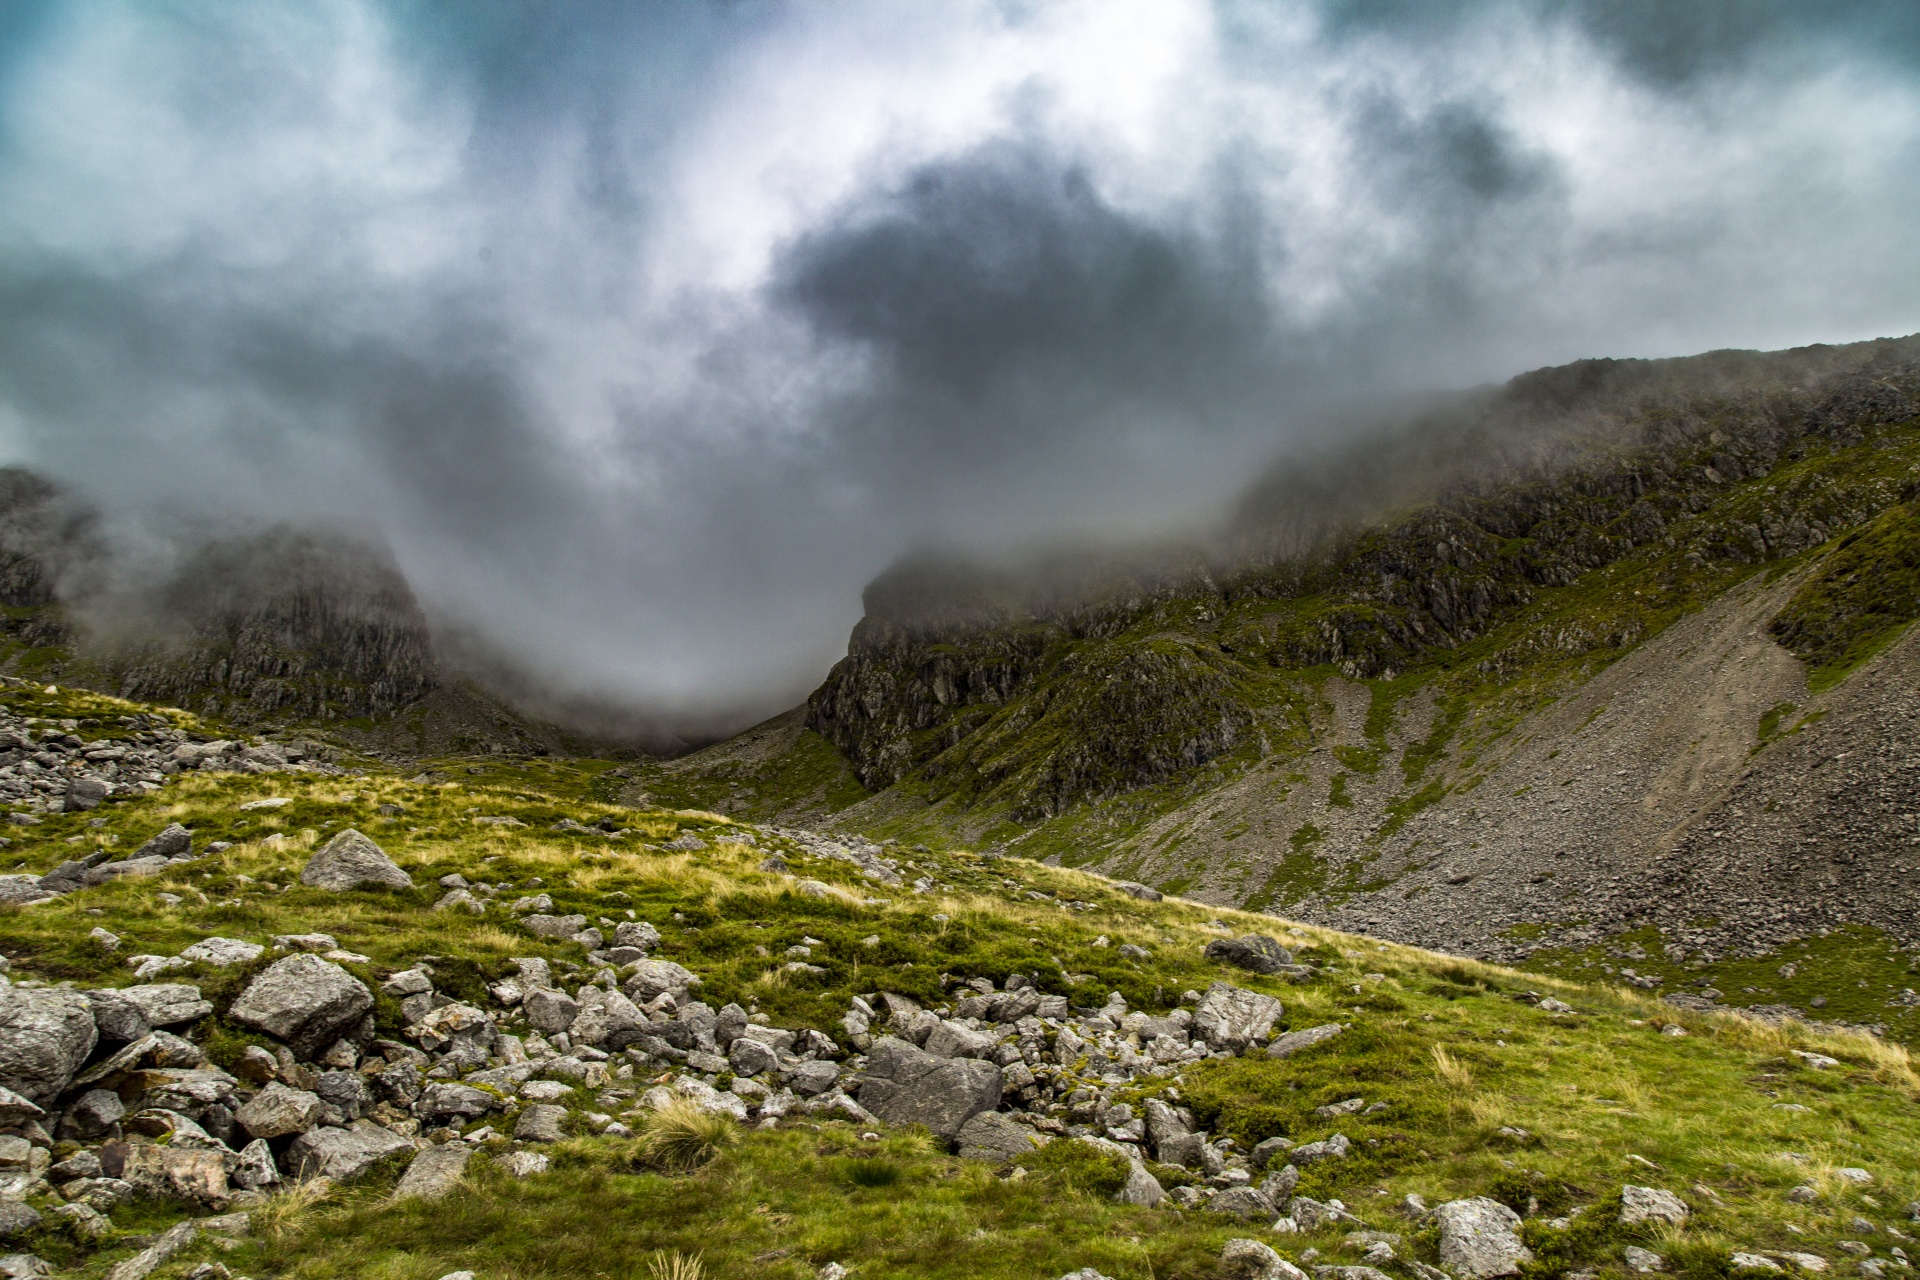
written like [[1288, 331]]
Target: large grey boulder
[[342, 1154], [1333, 1148], [1294, 1041], [542, 1122], [1649, 1204], [907, 1085], [440, 1103], [86, 793], [350, 860], [46, 1034], [303, 1000], [434, 1172], [550, 1012], [277, 1111], [956, 1040], [1479, 1238], [178, 1172], [174, 841], [546, 926], [1142, 1189], [128, 1013], [654, 978], [1231, 1018], [1256, 953], [994, 1137], [1243, 1202], [16, 1219]]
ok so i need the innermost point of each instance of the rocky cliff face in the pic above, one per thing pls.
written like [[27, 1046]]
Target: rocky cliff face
[[288, 625], [990, 688], [284, 625]]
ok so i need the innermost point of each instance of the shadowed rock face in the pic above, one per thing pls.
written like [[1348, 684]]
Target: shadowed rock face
[[289, 624], [43, 536], [1043, 689]]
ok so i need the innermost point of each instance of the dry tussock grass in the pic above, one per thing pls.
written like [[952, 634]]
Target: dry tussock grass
[[1451, 1070]]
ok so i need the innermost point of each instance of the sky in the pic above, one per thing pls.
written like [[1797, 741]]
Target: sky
[[645, 335]]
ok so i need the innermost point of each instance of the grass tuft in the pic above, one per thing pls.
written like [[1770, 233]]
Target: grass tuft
[[680, 1136]]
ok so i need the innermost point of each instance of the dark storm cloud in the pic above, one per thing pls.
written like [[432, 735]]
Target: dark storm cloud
[[647, 335], [1007, 266]]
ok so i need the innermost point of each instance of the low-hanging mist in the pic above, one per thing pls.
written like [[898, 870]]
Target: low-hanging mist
[[645, 338]]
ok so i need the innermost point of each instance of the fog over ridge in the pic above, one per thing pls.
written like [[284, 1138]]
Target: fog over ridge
[[646, 337]]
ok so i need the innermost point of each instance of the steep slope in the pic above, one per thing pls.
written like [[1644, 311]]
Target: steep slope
[[1480, 722]]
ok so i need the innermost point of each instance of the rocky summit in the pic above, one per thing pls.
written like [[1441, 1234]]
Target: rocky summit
[[1505, 872]]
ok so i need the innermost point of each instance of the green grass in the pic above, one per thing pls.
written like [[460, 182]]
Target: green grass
[[1589, 1089]]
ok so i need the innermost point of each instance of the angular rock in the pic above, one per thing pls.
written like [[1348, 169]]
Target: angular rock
[[1256, 953], [1279, 1184], [550, 1012], [440, 1103], [1265, 1150], [350, 860], [174, 841], [304, 1001], [636, 933], [1231, 1018], [1479, 1238], [1644, 1261], [434, 1173], [1294, 1041], [524, 1164], [156, 1255], [1334, 1148], [190, 1173], [1251, 1260], [1183, 1149], [907, 1085], [16, 1219], [256, 1168], [810, 1079], [546, 926], [86, 793], [654, 978], [128, 1013], [1243, 1202], [407, 982], [542, 1122], [955, 1040], [91, 1115], [751, 1058], [1133, 889], [1649, 1204], [277, 1111], [222, 953], [1142, 1189], [342, 1154], [995, 1138], [46, 1034]]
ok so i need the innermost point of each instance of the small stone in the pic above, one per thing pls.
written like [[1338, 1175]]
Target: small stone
[[1647, 1204], [1643, 1260], [1752, 1262], [524, 1164], [1294, 1041]]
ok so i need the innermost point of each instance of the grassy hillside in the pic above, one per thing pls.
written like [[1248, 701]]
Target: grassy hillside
[[1483, 1092]]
